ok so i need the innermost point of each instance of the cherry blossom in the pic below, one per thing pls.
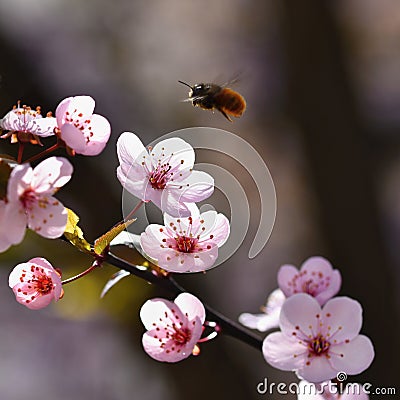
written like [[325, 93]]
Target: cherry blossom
[[173, 328], [163, 174], [30, 201], [186, 244], [316, 277], [82, 131], [329, 391], [26, 125], [318, 343], [35, 283], [269, 318]]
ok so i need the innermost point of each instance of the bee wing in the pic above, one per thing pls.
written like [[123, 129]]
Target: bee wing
[[193, 98], [235, 79]]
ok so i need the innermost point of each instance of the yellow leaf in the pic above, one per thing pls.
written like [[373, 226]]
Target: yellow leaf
[[103, 241], [74, 234]]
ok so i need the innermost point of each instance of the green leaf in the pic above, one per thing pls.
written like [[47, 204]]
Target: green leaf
[[104, 241], [74, 234], [5, 171]]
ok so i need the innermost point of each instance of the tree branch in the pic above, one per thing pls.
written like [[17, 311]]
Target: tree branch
[[169, 284]]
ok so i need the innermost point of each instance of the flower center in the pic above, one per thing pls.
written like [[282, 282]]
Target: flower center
[[43, 284], [28, 197], [181, 336], [186, 244], [318, 346], [160, 176]]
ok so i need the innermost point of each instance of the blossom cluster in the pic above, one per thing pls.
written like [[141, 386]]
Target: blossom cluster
[[319, 334]]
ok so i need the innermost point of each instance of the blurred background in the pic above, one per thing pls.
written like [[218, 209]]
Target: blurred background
[[323, 92]]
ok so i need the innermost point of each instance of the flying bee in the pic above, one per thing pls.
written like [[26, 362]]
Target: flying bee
[[209, 96]]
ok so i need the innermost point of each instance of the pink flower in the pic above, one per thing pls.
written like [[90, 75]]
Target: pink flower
[[318, 343], [11, 229], [27, 124], [316, 278], [269, 318], [84, 132], [186, 244], [329, 391], [30, 201], [35, 283], [173, 328], [163, 175]]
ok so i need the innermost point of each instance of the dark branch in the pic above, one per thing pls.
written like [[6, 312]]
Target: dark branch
[[169, 284]]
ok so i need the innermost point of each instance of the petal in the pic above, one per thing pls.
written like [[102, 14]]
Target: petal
[[153, 240], [51, 174], [170, 352], [283, 352], [158, 312], [191, 306], [300, 314], [33, 303], [318, 370], [217, 226], [13, 222], [286, 274], [129, 149], [98, 136], [82, 104], [175, 151], [317, 264], [169, 204], [61, 110], [135, 182], [332, 289], [275, 301], [262, 322], [45, 126], [344, 317], [353, 357], [48, 217], [73, 137], [19, 180], [8, 122], [196, 187]]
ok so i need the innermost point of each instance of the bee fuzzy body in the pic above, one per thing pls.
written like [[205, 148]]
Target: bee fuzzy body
[[210, 96]]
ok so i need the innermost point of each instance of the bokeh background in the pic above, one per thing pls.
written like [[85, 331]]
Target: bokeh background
[[323, 90]]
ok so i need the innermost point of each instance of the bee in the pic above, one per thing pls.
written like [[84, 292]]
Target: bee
[[210, 95]]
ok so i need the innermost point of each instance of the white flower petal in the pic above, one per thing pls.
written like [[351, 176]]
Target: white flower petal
[[283, 352], [48, 218], [175, 151], [158, 312], [61, 109], [344, 316], [317, 370], [129, 149], [196, 187], [51, 174], [45, 126], [191, 306], [353, 357], [299, 314], [73, 137]]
